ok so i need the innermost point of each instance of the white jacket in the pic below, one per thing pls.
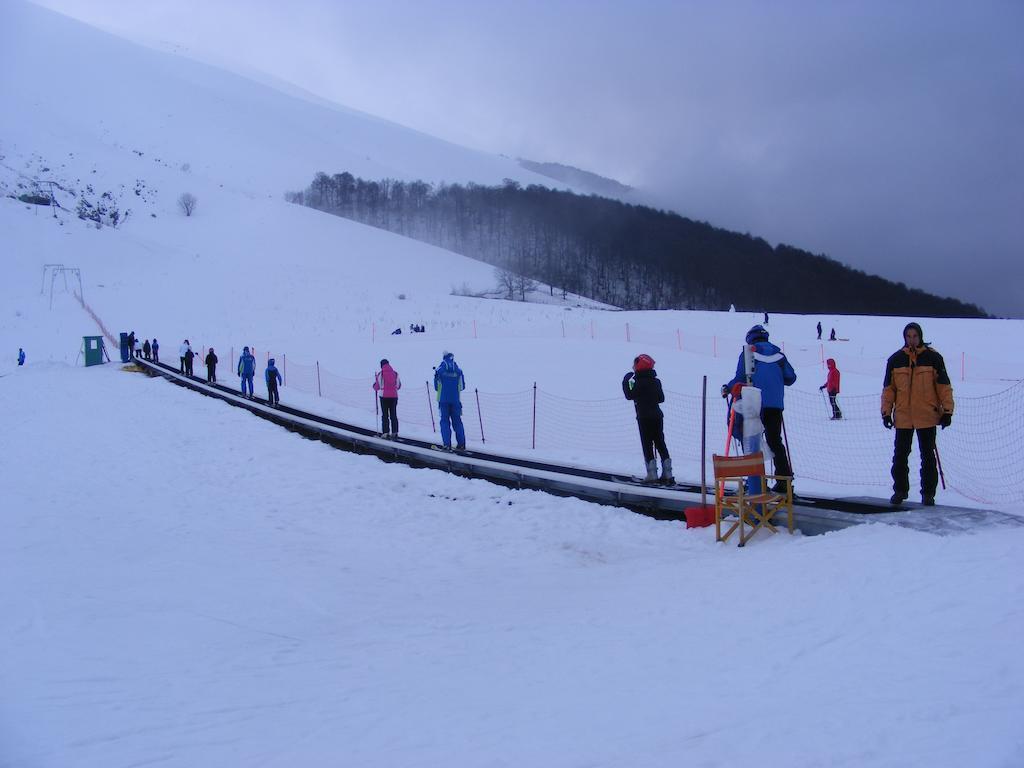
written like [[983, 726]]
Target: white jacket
[[748, 405]]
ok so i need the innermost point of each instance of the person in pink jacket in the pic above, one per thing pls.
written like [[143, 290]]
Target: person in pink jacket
[[387, 383]]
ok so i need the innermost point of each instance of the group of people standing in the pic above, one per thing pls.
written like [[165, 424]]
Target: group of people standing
[[917, 397], [246, 371], [144, 349]]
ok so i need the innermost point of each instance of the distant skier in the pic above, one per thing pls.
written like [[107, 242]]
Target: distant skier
[[642, 386], [771, 373], [131, 344], [387, 382], [819, 330], [766, 318], [246, 370], [272, 377], [189, 357], [156, 351], [916, 396], [831, 386], [137, 352], [211, 366], [147, 350], [832, 336], [21, 356], [449, 381], [397, 332], [183, 351]]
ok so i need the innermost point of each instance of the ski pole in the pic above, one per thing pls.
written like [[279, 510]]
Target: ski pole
[[938, 462], [825, 400]]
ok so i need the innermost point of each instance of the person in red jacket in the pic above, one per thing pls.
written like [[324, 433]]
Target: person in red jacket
[[831, 386]]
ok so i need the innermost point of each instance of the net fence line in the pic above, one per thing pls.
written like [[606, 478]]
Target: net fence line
[[961, 364], [853, 451]]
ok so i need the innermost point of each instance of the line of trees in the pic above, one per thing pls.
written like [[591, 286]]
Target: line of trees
[[629, 256]]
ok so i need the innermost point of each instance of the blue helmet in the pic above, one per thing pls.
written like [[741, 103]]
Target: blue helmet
[[756, 334]]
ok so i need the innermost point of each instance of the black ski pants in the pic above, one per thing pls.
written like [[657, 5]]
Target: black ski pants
[[211, 374], [901, 454], [272, 396], [652, 436], [772, 420], [182, 369], [389, 415], [836, 413]]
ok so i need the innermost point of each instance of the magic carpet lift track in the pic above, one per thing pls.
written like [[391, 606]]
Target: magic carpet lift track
[[812, 514]]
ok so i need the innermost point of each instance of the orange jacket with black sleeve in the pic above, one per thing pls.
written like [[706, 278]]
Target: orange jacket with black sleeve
[[916, 391]]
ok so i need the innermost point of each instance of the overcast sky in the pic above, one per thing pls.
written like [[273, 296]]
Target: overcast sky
[[886, 134]]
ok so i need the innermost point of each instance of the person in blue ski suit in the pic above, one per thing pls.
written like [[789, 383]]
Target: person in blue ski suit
[[156, 351], [772, 373], [21, 356], [272, 377], [448, 383], [246, 370]]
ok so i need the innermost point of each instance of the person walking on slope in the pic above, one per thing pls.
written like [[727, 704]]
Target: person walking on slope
[[211, 366], [448, 383], [643, 387], [183, 351], [21, 356], [765, 366], [916, 397], [386, 382], [819, 330], [156, 351], [272, 377], [246, 370], [831, 386], [147, 350]]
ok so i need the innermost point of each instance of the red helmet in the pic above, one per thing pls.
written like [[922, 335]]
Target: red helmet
[[643, 363]]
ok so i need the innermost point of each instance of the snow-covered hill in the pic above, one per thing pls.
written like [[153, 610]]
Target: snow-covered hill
[[185, 584]]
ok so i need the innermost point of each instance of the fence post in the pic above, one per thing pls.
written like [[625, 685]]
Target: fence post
[[963, 365], [474, 327], [533, 443], [591, 329], [430, 407], [373, 332], [563, 329], [284, 362], [319, 391], [679, 340], [714, 348], [479, 416]]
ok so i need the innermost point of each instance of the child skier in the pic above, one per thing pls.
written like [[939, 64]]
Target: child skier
[[642, 386], [831, 386], [273, 377], [387, 383], [246, 370]]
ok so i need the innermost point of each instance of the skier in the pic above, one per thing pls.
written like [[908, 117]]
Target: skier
[[831, 385], [819, 330], [387, 382], [21, 356], [272, 377], [916, 396], [448, 383], [832, 336], [189, 357], [147, 350], [642, 386], [137, 351], [183, 350], [246, 370], [156, 351], [131, 344], [770, 372], [211, 367]]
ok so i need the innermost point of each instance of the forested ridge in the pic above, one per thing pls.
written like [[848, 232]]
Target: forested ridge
[[630, 256]]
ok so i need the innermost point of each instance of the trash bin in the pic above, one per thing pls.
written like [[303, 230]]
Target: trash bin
[[125, 354], [93, 346]]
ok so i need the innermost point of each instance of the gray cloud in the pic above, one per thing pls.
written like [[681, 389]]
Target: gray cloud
[[886, 135]]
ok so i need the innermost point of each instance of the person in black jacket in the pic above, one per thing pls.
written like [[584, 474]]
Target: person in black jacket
[[211, 367], [642, 386]]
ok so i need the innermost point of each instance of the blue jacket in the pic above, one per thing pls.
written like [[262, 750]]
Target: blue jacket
[[21, 357], [448, 380], [271, 373], [772, 372], [246, 364]]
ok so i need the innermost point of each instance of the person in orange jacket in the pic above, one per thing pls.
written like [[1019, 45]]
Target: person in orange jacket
[[831, 386], [916, 397]]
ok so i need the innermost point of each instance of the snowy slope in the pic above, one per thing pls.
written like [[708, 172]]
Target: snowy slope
[[186, 585]]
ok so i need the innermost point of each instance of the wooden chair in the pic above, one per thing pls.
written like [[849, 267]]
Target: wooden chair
[[745, 505]]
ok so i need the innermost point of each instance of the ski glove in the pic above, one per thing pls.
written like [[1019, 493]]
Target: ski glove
[[725, 390], [946, 420], [887, 422], [821, 387]]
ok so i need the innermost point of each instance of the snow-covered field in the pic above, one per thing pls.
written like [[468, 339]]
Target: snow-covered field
[[185, 585]]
